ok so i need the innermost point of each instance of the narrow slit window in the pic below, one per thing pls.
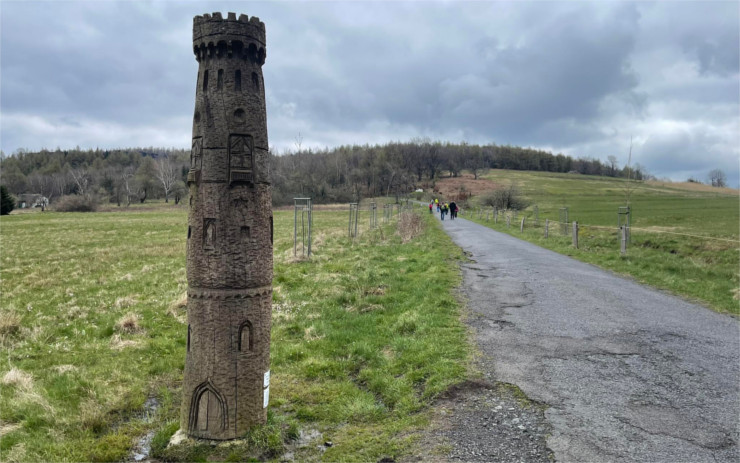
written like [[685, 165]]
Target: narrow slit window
[[205, 80], [188, 338], [220, 81], [256, 81], [238, 81], [246, 337]]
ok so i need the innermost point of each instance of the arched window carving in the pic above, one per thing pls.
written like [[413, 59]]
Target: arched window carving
[[220, 81], [246, 337]]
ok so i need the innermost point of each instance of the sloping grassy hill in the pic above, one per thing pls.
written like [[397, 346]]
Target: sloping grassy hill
[[684, 236], [681, 207]]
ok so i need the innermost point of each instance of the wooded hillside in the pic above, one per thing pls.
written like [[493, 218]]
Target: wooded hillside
[[339, 174]]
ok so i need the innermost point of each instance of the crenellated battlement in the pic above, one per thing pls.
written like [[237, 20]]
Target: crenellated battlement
[[216, 37], [208, 27]]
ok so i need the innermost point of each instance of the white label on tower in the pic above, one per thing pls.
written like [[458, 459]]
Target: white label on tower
[[266, 389]]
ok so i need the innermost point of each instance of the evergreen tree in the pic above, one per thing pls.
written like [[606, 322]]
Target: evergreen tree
[[7, 203]]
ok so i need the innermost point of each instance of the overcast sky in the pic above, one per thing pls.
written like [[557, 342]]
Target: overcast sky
[[579, 78]]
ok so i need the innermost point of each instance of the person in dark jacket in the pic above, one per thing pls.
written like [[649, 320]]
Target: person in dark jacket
[[453, 210]]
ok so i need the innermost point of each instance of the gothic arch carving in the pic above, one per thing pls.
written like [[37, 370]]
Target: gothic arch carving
[[215, 414]]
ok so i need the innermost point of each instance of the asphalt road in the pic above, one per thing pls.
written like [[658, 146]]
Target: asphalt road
[[628, 373]]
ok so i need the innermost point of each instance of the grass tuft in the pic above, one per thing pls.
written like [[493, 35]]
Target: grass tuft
[[18, 379], [129, 324], [10, 323]]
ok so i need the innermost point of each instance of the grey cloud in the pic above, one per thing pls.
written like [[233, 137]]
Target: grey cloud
[[713, 56], [577, 77]]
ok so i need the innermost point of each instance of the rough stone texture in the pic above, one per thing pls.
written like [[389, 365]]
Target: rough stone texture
[[229, 247]]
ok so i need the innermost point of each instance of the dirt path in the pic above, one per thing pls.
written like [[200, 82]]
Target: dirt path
[[621, 372]]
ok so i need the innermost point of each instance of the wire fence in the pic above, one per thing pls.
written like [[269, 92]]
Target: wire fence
[[572, 228]]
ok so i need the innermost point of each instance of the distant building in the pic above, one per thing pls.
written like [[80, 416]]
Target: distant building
[[29, 200]]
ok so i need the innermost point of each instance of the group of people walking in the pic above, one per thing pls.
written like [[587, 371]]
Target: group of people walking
[[443, 208]]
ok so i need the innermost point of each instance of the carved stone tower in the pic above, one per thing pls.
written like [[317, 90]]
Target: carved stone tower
[[229, 246]]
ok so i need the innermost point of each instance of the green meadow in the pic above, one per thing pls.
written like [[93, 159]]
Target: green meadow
[[684, 237], [92, 324], [366, 333]]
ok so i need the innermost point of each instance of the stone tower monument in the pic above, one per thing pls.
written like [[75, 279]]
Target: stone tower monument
[[229, 245]]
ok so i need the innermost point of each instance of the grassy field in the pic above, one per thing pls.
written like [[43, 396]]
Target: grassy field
[[365, 335], [703, 267]]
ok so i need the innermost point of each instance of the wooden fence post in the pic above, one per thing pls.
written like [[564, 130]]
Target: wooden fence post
[[575, 234], [547, 227], [521, 227]]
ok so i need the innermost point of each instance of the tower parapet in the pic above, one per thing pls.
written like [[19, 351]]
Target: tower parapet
[[216, 37]]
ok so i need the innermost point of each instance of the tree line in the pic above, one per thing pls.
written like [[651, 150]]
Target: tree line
[[341, 174]]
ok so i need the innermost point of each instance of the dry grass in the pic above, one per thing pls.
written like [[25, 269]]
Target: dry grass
[[61, 369], [18, 378], [452, 187], [92, 415], [117, 343], [10, 323], [310, 334], [178, 307], [17, 453], [124, 302], [410, 226], [7, 428], [129, 324]]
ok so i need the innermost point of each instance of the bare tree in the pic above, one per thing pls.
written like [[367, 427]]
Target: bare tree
[[717, 178], [166, 172], [127, 179], [81, 177], [42, 184]]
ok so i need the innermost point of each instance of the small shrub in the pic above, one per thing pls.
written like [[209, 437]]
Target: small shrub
[[505, 198], [76, 203]]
